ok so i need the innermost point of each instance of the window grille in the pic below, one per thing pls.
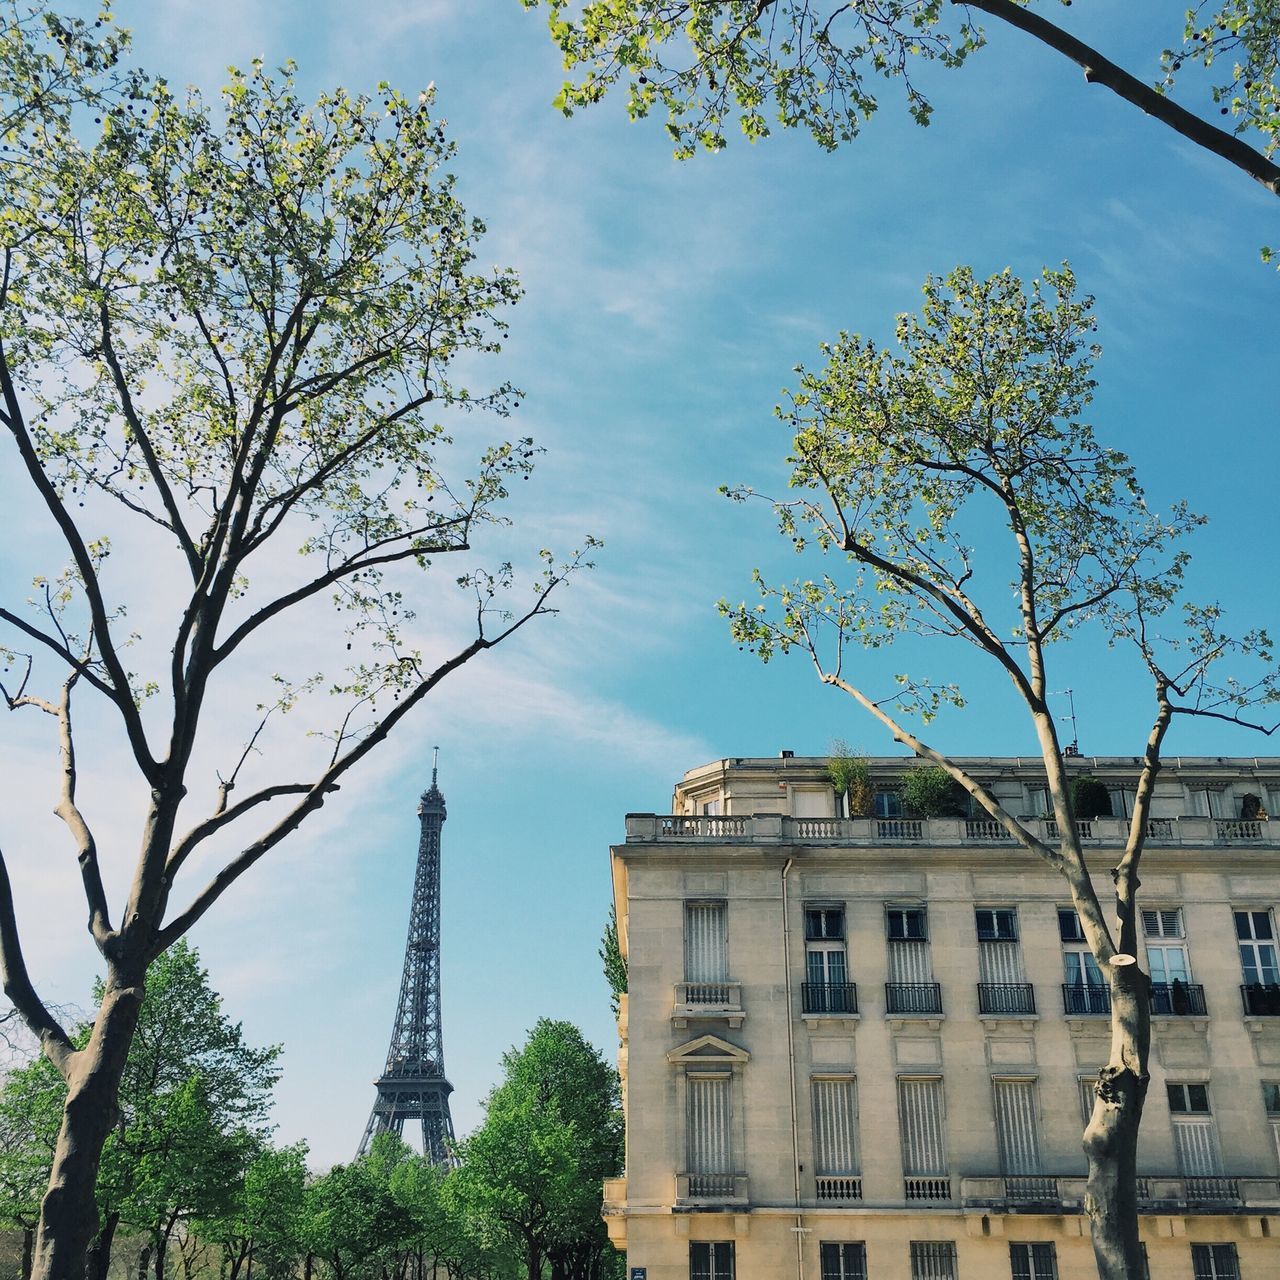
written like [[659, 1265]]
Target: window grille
[[933, 1260], [711, 1260], [844, 1261], [1017, 1126], [1033, 1261], [706, 956], [1195, 1141], [835, 1126], [920, 1115], [710, 1148], [1215, 1262]]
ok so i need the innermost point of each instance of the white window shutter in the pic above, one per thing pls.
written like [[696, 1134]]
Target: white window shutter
[[1196, 1144], [835, 1127], [1016, 1126], [710, 1149], [705, 950], [924, 1147]]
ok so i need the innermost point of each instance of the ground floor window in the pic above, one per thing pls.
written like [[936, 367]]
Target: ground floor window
[[1033, 1261], [1215, 1262], [711, 1260], [933, 1260], [844, 1261]]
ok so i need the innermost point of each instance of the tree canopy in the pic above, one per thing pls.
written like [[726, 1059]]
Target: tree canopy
[[819, 65]]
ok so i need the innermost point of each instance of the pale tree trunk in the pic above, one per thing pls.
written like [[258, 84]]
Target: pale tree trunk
[[69, 1211], [1111, 1138]]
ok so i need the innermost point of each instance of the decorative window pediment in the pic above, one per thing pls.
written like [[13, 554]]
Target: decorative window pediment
[[707, 1050]]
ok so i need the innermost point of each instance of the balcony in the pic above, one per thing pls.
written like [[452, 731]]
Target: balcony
[[1261, 999], [779, 829], [1012, 998], [1056, 1194], [1177, 999], [913, 998], [934, 1189], [720, 1001], [707, 1189], [1089, 1001], [839, 1188], [829, 998]]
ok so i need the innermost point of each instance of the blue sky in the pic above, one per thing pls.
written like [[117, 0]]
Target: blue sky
[[666, 306]]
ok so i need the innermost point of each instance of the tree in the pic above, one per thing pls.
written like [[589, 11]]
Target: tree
[[552, 1133], [351, 1217], [851, 779], [814, 64], [928, 478], [614, 962], [192, 1107], [229, 333]]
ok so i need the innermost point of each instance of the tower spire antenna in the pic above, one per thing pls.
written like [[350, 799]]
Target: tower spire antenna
[[413, 1085]]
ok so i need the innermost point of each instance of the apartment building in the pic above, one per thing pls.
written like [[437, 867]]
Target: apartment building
[[863, 1048]]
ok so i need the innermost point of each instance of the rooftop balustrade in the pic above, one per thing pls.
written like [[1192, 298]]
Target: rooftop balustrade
[[773, 828]]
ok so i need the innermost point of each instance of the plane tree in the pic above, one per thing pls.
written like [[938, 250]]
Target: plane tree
[[243, 339], [819, 65], [955, 493]]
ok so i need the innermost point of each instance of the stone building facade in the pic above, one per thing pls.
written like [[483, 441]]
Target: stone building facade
[[863, 1048]]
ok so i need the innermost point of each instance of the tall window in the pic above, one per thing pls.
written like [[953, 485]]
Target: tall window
[[825, 956], [1214, 1262], [1167, 960], [1123, 797], [835, 1126], [911, 988], [920, 1114], [1017, 1126], [1039, 801], [711, 1260], [1086, 992], [933, 1260], [1257, 941], [1033, 1261], [999, 956], [843, 1261], [1088, 1087], [1271, 1101], [708, 1130], [1195, 1139], [706, 952], [1209, 802]]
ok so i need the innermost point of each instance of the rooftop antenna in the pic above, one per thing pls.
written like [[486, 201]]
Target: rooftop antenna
[[1072, 748], [435, 763]]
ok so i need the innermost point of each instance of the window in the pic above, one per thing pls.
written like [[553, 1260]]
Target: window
[[709, 1144], [888, 804], [997, 924], [835, 1127], [824, 924], [1256, 939], [711, 808], [1210, 801], [1033, 1261], [1166, 957], [1039, 801], [706, 955], [933, 1260], [1214, 1262], [1085, 990], [920, 1114], [711, 1261], [1123, 797], [1017, 1126], [843, 1261], [906, 924], [826, 962], [1088, 1087], [1271, 1100], [1195, 1138], [1069, 927]]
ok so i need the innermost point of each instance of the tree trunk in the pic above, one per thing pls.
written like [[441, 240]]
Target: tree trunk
[[144, 1261], [1111, 1138], [28, 1241], [98, 1259], [69, 1211]]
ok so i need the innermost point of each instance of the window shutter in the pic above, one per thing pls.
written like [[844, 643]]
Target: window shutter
[[1015, 1103], [924, 1148], [709, 1146], [1196, 1144], [999, 962], [909, 962], [1162, 924], [1088, 1095], [705, 952], [835, 1127]]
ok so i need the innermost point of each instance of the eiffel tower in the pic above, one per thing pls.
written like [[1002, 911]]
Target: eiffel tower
[[412, 1085]]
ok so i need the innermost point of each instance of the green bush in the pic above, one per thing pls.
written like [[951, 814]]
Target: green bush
[[851, 778], [1090, 798], [929, 792]]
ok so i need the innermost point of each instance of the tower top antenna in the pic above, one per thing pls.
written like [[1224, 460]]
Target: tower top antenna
[[435, 763]]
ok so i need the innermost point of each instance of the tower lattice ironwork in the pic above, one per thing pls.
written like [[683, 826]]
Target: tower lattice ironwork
[[412, 1085]]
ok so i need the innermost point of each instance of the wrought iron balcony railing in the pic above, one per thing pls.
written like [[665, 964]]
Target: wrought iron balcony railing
[[1177, 999], [839, 1187], [1077, 998], [912, 997], [1261, 999], [829, 997], [1006, 997]]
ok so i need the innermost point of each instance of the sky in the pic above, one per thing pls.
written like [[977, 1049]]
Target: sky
[[667, 304]]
